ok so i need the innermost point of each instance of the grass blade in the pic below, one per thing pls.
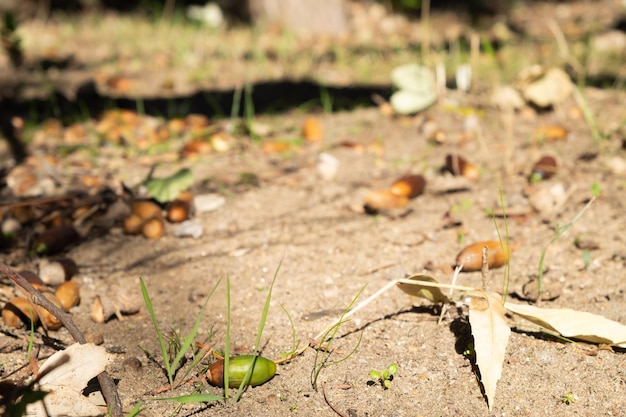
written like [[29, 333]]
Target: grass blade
[[227, 340], [164, 354], [259, 334], [194, 331]]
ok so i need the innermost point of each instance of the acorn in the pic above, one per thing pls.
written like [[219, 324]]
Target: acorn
[[19, 312], [58, 270], [458, 165], [49, 321], [145, 209], [68, 294], [133, 224], [179, 209], [378, 200], [471, 257], [32, 278], [312, 129], [153, 228], [55, 240], [264, 370], [544, 169], [409, 186]]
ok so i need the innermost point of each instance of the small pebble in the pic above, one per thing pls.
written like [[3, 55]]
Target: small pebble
[[189, 228], [205, 203]]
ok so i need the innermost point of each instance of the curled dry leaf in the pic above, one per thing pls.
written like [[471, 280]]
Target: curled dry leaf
[[574, 324], [471, 257], [120, 299], [432, 294], [65, 375], [491, 336]]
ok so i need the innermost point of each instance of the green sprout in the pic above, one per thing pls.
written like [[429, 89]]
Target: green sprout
[[568, 398], [386, 376]]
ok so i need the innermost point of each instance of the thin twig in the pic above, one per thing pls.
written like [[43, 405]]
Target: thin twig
[[484, 269], [339, 413], [107, 385]]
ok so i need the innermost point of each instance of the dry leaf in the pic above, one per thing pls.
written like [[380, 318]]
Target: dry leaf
[[575, 324], [65, 375], [432, 294], [491, 335]]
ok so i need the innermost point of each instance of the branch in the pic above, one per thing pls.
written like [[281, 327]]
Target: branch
[[107, 385]]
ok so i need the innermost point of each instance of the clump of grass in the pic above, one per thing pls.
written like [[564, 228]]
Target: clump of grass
[[171, 366], [325, 339]]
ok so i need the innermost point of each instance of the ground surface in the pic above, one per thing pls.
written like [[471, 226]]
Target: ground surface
[[328, 250]]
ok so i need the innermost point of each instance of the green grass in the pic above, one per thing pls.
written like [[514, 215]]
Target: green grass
[[170, 365], [325, 340]]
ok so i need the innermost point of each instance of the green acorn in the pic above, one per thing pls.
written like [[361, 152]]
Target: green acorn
[[264, 370]]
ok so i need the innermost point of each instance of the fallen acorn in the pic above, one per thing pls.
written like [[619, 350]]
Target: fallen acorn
[[153, 228], [55, 240], [312, 129], [378, 200], [145, 209], [58, 270], [180, 209], [457, 165], [544, 169], [471, 257], [133, 224], [68, 294], [409, 186], [19, 312], [49, 321], [264, 370]]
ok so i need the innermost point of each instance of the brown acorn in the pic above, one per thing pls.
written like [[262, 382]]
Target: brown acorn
[[145, 209], [378, 200], [55, 240], [544, 169], [312, 129], [409, 186], [19, 312], [68, 294], [153, 228], [179, 210], [49, 321], [58, 270], [133, 224], [457, 165], [471, 257]]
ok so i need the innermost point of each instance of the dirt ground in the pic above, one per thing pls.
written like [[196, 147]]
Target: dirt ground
[[328, 250]]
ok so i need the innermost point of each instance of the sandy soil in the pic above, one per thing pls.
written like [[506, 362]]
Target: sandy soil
[[328, 251]]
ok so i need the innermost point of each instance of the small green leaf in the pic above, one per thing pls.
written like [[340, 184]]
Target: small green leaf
[[393, 368], [375, 374], [387, 383], [167, 189]]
